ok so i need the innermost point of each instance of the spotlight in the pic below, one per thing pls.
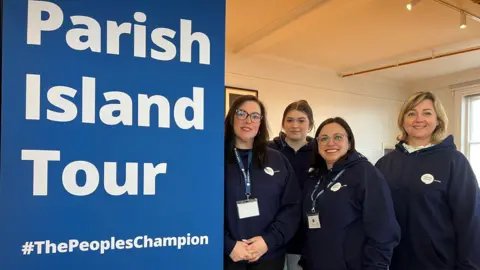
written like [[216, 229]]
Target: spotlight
[[463, 20], [412, 4]]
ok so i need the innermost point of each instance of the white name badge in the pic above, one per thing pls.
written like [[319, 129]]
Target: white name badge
[[314, 221], [248, 208]]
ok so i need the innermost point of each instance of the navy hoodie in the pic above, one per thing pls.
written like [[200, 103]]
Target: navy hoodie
[[358, 227], [437, 203], [278, 200], [300, 161]]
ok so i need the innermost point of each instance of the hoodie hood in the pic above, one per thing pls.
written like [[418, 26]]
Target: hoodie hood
[[446, 144], [351, 160], [279, 143]]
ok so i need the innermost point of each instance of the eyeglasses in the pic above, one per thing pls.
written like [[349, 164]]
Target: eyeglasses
[[337, 138], [243, 115]]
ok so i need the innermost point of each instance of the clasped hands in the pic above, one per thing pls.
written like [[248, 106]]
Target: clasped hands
[[249, 250]]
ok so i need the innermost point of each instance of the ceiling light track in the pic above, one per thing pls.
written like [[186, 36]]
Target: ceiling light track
[[463, 24], [411, 62], [463, 12], [473, 16]]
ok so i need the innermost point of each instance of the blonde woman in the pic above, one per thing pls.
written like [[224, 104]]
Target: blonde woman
[[434, 190]]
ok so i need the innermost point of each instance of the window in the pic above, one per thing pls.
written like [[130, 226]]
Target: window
[[473, 133]]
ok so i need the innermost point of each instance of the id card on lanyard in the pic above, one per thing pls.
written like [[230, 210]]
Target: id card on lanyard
[[314, 217], [249, 207]]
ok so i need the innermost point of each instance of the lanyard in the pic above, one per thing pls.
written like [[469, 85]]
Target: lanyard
[[246, 175], [314, 201]]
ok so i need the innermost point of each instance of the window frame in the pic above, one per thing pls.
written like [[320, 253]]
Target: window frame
[[468, 127], [461, 121]]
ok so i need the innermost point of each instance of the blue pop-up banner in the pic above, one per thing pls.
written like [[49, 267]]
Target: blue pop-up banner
[[112, 134]]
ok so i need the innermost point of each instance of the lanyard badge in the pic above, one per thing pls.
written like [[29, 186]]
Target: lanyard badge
[[249, 207], [314, 217]]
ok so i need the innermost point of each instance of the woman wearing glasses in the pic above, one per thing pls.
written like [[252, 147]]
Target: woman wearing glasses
[[294, 144], [348, 212], [434, 190], [262, 197]]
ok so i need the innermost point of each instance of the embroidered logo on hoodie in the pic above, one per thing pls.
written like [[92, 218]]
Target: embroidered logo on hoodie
[[337, 187], [269, 171], [428, 179]]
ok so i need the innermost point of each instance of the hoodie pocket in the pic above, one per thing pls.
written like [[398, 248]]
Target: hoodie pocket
[[325, 250], [352, 246]]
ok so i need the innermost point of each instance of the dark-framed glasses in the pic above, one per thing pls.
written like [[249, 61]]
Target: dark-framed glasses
[[243, 115]]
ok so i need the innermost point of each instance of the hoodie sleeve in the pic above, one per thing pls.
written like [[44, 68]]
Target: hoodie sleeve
[[287, 219], [228, 243], [464, 201], [380, 224]]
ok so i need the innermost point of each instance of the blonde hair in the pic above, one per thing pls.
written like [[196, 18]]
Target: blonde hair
[[439, 133]]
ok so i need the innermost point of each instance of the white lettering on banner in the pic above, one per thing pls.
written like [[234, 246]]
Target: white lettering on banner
[[41, 158], [48, 247], [118, 108], [91, 29], [40, 168], [63, 104]]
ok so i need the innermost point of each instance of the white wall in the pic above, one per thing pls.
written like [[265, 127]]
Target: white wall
[[451, 98], [369, 106]]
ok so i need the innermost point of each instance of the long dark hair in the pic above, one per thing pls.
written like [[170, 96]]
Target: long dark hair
[[260, 142], [318, 161]]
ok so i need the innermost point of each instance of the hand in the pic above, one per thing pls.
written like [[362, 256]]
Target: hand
[[240, 253], [256, 247]]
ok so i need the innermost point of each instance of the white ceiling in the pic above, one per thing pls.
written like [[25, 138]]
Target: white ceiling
[[354, 35]]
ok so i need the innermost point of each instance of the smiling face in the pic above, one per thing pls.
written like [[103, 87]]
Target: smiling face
[[333, 143], [296, 125], [247, 121], [420, 123]]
